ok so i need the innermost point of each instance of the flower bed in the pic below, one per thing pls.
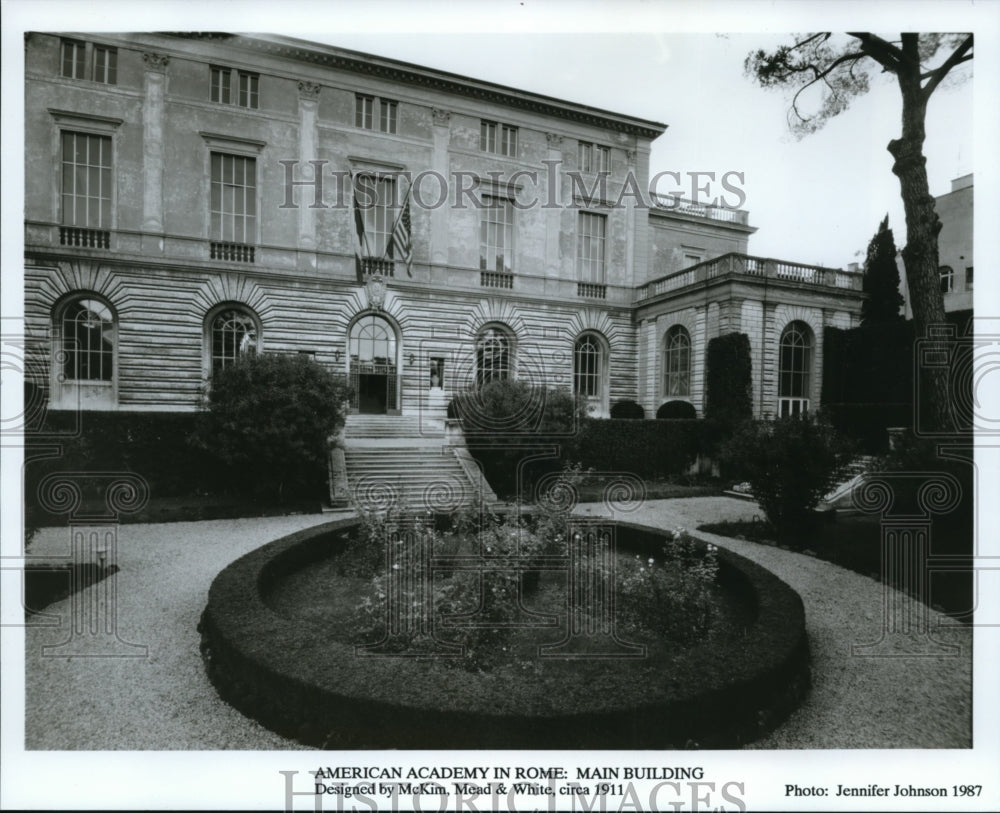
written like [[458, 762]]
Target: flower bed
[[305, 681]]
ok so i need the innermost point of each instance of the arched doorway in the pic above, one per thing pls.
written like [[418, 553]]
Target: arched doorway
[[374, 366]]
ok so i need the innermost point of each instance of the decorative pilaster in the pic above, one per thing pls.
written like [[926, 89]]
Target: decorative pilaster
[[554, 221], [308, 112], [439, 163], [155, 79]]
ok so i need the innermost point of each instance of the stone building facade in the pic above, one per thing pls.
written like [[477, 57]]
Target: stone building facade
[[193, 197]]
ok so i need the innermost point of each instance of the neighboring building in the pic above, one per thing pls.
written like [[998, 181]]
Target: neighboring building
[[955, 255], [160, 243]]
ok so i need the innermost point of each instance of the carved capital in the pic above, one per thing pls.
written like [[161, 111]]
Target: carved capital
[[309, 91], [441, 117], [156, 62], [555, 140]]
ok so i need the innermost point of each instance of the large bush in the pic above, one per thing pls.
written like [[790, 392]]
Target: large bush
[[729, 382], [269, 418], [627, 410], [790, 463], [506, 422]]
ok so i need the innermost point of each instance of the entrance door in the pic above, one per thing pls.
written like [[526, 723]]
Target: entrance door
[[374, 377]]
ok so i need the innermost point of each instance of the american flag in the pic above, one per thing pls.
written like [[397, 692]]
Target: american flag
[[401, 236]]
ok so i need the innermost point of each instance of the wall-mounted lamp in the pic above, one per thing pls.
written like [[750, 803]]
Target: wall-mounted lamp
[[412, 359], [336, 356]]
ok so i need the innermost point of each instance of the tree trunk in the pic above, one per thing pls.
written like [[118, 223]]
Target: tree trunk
[[920, 256]]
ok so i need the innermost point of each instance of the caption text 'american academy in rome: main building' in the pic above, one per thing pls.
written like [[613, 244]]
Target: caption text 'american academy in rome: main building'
[[193, 197]]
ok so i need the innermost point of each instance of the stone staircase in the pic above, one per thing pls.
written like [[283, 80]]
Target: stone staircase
[[840, 495], [403, 461]]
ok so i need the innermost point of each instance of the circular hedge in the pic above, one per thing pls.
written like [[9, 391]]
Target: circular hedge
[[303, 683]]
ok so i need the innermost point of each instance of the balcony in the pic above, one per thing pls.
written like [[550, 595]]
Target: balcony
[[370, 266], [495, 279], [592, 290], [674, 203], [232, 252], [84, 238], [735, 266]]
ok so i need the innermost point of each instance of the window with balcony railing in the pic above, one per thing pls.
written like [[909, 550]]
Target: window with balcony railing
[[233, 207], [86, 190], [496, 235]]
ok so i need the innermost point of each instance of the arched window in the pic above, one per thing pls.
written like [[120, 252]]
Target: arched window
[[373, 341], [493, 356], [587, 367], [794, 369], [677, 362], [233, 333], [88, 330]]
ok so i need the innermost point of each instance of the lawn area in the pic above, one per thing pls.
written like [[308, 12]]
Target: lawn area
[[854, 542]]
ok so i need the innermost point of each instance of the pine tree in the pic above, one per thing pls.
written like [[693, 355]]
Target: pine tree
[[881, 279]]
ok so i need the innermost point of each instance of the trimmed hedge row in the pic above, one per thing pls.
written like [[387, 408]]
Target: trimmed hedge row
[[153, 445], [649, 448], [301, 683]]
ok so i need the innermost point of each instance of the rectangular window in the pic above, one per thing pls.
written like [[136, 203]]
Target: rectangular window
[[376, 199], [86, 180], [234, 198], [246, 87], [364, 107], [498, 138], [83, 60], [968, 278], [74, 59], [691, 259], [594, 157], [105, 65], [248, 90], [387, 116], [496, 234], [590, 248], [373, 113], [221, 91], [947, 279]]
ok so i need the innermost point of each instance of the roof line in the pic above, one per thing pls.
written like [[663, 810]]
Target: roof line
[[361, 62]]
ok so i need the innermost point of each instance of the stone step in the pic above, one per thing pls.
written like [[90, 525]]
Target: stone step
[[402, 459]]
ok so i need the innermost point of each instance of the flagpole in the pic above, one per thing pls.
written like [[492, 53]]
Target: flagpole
[[395, 223], [364, 234]]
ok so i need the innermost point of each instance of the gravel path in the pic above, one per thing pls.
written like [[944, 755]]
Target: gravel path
[[164, 701]]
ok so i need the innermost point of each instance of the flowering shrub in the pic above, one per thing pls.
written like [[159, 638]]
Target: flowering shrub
[[670, 596]]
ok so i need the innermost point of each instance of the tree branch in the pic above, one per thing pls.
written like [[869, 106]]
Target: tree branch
[[958, 56], [887, 55]]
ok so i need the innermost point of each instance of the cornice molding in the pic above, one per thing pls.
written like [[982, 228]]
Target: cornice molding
[[381, 68]]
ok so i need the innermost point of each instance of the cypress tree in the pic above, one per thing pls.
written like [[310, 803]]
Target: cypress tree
[[881, 279]]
